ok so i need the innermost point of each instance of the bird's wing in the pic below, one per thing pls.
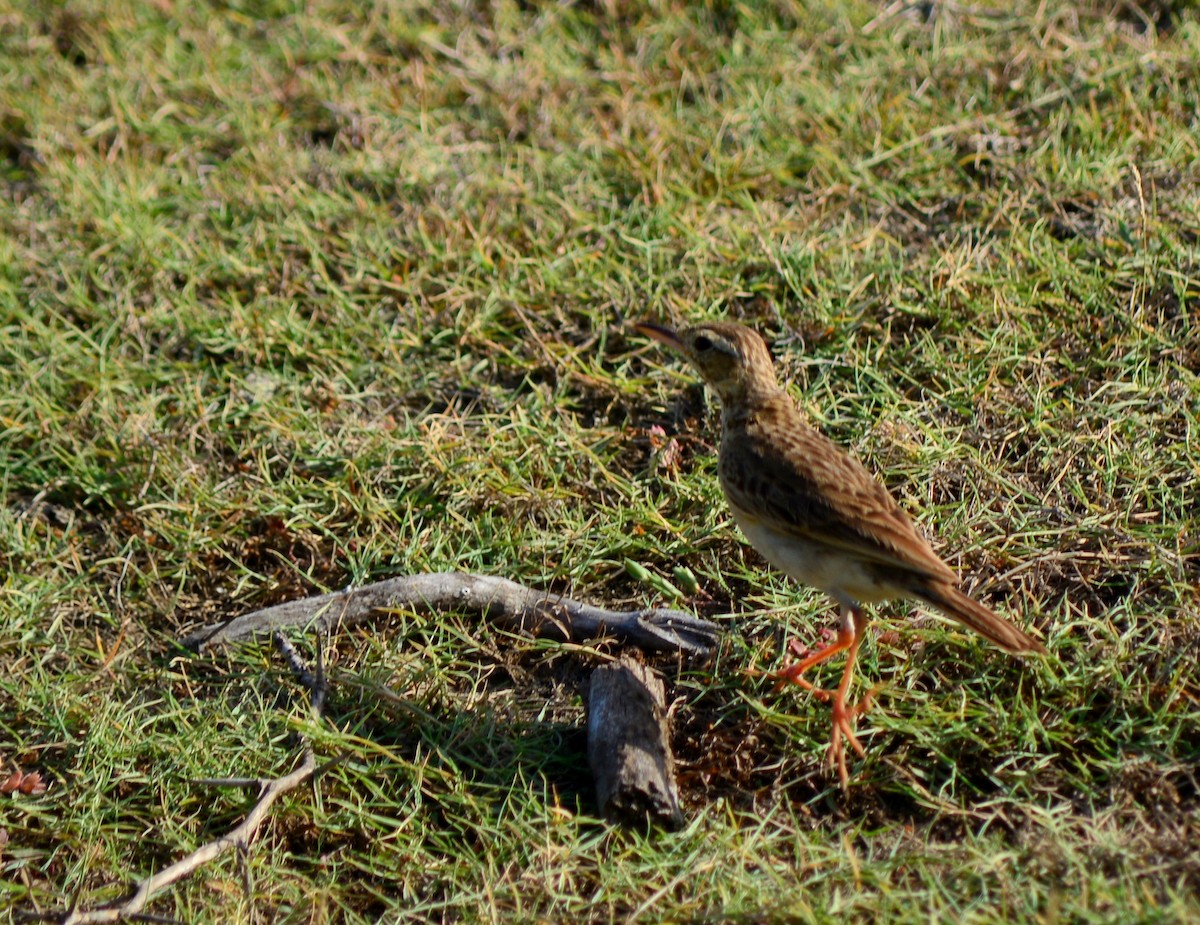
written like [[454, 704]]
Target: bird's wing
[[792, 477]]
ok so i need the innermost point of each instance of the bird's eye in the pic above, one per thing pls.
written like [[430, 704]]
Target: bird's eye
[[702, 343]]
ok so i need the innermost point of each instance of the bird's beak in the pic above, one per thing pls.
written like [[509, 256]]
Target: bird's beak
[[659, 333]]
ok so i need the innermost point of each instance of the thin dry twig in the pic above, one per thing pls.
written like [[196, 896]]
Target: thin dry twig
[[239, 837], [507, 602]]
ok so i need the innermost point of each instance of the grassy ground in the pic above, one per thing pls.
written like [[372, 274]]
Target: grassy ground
[[294, 295]]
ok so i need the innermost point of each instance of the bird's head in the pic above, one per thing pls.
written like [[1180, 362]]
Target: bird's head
[[731, 358]]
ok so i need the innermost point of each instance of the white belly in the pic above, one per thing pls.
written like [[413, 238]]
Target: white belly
[[843, 577]]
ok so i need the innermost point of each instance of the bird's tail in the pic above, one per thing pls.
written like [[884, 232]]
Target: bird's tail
[[993, 627]]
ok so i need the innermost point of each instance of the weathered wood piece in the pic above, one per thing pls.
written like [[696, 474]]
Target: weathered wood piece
[[629, 746], [508, 603]]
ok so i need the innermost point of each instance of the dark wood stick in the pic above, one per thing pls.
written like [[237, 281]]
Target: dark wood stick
[[628, 746], [512, 605]]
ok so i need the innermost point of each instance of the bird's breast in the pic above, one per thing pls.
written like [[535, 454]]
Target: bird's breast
[[845, 577]]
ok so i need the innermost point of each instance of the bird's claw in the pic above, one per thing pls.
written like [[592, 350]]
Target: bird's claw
[[792, 674], [843, 728]]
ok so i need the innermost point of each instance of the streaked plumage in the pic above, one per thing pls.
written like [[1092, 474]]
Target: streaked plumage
[[815, 512]]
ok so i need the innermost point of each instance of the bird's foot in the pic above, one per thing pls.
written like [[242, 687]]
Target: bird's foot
[[793, 674], [843, 731], [865, 701], [789, 675]]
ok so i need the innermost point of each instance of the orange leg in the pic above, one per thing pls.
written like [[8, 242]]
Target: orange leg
[[849, 638], [792, 673], [843, 718]]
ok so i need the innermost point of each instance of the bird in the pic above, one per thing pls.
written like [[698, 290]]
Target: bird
[[819, 515]]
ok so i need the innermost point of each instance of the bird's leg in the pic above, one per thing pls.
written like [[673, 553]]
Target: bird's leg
[[853, 624], [792, 673], [849, 638], [800, 650]]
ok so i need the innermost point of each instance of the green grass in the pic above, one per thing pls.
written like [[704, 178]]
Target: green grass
[[299, 295]]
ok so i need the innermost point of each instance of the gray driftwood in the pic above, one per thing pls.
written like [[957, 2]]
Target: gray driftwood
[[510, 604], [628, 745]]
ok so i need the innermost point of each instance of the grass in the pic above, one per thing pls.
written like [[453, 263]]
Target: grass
[[294, 295]]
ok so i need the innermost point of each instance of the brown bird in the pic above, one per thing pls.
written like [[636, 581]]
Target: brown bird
[[817, 514]]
